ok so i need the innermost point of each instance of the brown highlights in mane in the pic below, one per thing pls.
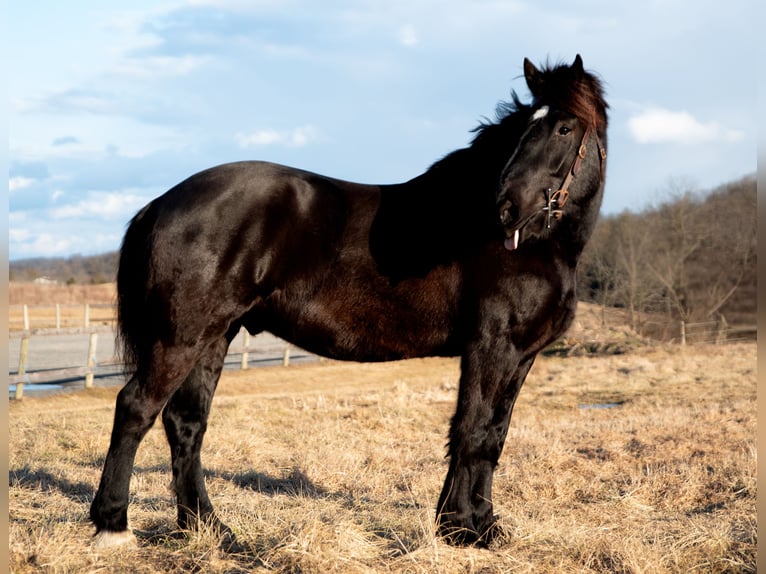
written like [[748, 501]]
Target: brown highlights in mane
[[568, 88]]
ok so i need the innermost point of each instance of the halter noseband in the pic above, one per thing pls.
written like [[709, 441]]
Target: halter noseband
[[557, 200]]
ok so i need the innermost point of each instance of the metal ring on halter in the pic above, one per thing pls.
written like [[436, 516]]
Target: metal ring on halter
[[559, 200], [560, 197]]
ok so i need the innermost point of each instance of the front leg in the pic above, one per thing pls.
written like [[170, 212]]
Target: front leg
[[489, 385]]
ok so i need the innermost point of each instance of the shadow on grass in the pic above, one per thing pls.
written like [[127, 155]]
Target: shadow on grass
[[295, 484], [44, 481]]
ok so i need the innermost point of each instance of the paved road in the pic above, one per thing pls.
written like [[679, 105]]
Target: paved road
[[71, 350]]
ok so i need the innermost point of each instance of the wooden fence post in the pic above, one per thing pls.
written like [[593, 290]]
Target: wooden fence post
[[26, 317], [721, 329], [683, 332], [86, 313], [286, 357], [245, 344], [22, 366], [91, 362], [58, 316]]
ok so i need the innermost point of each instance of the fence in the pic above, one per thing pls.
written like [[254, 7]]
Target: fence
[[718, 332], [700, 332], [87, 370], [59, 316], [37, 322]]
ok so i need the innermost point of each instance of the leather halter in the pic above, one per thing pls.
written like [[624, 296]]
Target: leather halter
[[557, 200]]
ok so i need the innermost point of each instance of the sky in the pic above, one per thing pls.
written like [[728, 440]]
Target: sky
[[112, 103]]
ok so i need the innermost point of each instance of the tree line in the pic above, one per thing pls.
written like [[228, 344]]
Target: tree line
[[691, 258], [74, 270]]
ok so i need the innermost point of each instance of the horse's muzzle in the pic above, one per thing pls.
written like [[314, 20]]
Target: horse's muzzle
[[514, 220], [508, 213], [509, 219]]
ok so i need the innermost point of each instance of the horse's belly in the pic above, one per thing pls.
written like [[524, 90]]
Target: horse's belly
[[367, 324]]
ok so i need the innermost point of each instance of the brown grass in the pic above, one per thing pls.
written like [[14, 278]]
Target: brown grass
[[41, 301], [337, 467], [33, 294]]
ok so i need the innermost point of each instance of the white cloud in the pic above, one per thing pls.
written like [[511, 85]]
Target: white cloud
[[111, 205], [657, 125], [31, 235], [24, 242], [160, 66], [66, 102], [296, 137], [19, 235], [19, 182], [408, 36]]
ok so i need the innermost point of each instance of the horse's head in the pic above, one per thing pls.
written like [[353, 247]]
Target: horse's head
[[559, 162]]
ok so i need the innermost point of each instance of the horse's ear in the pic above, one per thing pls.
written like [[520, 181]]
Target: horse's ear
[[577, 66], [532, 75]]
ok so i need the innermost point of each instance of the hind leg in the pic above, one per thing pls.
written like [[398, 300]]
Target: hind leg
[[138, 404], [185, 420]]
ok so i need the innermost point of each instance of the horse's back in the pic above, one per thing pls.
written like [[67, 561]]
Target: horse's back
[[248, 220]]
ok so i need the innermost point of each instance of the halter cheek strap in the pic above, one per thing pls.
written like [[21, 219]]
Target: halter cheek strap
[[557, 200]]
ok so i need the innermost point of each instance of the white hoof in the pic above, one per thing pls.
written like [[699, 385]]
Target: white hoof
[[107, 539]]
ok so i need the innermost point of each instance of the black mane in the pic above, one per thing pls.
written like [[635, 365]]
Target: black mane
[[449, 210], [505, 113]]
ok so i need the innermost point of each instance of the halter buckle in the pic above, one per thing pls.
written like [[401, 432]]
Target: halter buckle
[[555, 207]]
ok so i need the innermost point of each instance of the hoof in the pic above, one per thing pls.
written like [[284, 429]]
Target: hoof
[[108, 539], [459, 535], [231, 545]]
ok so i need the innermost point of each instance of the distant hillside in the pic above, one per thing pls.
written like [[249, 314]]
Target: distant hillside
[[74, 270], [692, 258]]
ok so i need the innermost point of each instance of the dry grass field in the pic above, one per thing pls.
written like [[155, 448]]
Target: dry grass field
[[34, 294], [42, 299], [337, 467]]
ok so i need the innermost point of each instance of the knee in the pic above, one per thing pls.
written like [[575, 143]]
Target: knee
[[134, 410]]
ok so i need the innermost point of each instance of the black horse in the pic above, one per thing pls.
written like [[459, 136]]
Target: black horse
[[474, 258]]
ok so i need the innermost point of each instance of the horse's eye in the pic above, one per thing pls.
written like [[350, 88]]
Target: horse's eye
[[563, 130]]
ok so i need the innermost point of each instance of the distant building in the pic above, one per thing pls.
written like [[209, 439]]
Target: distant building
[[45, 281]]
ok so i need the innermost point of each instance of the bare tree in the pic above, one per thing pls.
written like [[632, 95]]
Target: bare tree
[[598, 272], [729, 252], [677, 238], [635, 285]]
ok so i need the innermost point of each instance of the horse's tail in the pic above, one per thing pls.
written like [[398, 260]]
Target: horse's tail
[[134, 318]]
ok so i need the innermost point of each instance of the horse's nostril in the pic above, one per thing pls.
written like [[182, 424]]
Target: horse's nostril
[[508, 213]]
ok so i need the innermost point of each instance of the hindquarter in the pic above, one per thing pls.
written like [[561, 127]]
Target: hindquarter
[[226, 238]]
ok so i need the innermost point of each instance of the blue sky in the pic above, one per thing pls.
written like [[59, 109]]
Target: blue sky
[[112, 103]]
